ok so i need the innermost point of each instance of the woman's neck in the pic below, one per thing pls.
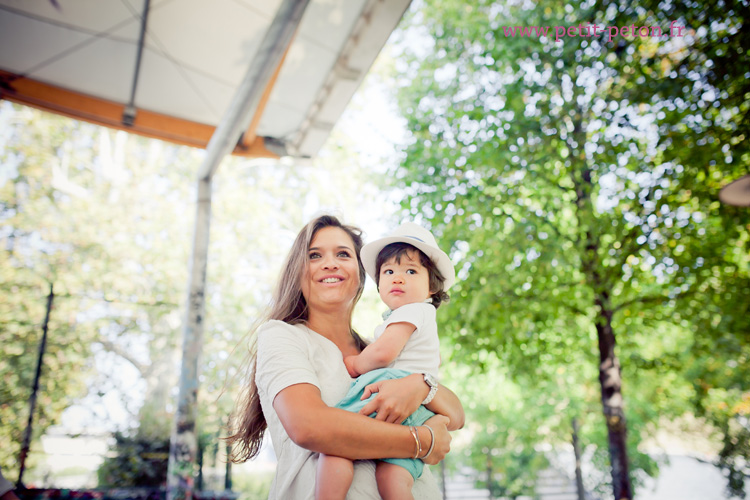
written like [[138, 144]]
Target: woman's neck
[[334, 326]]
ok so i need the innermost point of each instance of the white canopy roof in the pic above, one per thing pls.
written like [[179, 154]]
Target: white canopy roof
[[81, 58]]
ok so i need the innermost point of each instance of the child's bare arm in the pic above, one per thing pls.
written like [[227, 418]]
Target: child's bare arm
[[383, 351]]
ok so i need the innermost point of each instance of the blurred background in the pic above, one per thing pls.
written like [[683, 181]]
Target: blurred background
[[602, 311]]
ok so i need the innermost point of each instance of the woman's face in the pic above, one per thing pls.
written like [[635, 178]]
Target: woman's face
[[331, 280]]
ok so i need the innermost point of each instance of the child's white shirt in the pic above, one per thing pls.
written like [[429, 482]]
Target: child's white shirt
[[421, 354]]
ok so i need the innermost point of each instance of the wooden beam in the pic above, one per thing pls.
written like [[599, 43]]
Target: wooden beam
[[106, 113]]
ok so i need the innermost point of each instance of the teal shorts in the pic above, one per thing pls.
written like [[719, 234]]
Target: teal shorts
[[352, 402]]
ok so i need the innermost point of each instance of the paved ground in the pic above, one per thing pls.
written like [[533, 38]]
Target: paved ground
[[683, 478]]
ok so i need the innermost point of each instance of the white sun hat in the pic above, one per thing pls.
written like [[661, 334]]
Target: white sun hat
[[737, 193], [414, 235]]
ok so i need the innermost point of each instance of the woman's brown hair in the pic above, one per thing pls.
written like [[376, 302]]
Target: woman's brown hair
[[247, 423]]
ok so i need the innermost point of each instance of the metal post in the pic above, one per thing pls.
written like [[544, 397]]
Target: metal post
[[183, 446], [228, 469], [35, 389], [184, 443], [201, 451], [128, 115], [577, 452], [490, 489], [262, 68], [442, 477]]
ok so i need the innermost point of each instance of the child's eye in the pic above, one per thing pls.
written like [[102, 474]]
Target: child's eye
[[411, 271], [388, 271]]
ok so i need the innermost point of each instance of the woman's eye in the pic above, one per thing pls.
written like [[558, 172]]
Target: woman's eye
[[314, 255], [344, 254]]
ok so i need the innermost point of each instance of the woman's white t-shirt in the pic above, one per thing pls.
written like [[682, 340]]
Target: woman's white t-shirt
[[294, 354]]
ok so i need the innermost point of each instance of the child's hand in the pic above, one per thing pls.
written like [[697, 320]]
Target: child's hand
[[349, 362]]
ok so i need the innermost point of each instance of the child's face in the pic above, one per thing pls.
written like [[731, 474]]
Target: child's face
[[407, 282]]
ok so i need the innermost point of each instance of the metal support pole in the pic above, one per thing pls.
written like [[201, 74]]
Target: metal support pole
[[442, 479], [201, 452], [490, 487], [128, 115], [228, 469], [184, 443], [240, 112], [577, 451], [35, 389], [183, 447]]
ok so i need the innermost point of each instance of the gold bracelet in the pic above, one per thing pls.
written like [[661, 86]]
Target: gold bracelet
[[418, 445]]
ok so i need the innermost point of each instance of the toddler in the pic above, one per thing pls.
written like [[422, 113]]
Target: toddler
[[412, 275]]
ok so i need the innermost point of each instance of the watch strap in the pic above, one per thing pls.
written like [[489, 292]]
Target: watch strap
[[433, 388]]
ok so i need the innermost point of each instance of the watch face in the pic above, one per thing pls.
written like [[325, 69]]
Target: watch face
[[431, 381]]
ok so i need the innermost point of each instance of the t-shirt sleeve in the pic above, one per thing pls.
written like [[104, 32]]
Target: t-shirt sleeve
[[283, 359], [416, 314]]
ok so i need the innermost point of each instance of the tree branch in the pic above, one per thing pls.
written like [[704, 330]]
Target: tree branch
[[642, 300], [124, 354]]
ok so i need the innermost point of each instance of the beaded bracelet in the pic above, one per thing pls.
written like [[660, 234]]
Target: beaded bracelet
[[418, 445], [432, 441]]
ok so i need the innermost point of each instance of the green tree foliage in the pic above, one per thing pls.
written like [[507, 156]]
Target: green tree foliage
[[502, 444], [96, 213], [135, 462], [702, 95], [107, 217], [37, 252], [581, 205]]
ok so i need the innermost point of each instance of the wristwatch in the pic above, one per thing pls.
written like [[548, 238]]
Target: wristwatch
[[430, 380]]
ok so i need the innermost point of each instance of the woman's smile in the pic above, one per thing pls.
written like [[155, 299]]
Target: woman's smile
[[332, 279]]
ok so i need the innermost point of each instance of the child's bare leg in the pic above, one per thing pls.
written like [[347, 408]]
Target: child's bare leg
[[333, 477], [394, 482]]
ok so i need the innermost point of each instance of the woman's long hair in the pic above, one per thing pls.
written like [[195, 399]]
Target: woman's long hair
[[247, 423]]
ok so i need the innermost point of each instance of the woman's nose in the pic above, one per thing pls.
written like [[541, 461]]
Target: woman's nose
[[329, 262]]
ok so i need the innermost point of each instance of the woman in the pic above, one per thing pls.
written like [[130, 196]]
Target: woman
[[299, 374]]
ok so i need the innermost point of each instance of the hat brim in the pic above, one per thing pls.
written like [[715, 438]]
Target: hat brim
[[370, 251], [737, 192]]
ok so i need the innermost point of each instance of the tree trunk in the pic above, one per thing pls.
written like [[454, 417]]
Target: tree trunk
[[612, 402], [610, 377]]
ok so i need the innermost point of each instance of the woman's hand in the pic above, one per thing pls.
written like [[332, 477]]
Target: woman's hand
[[442, 445], [396, 399]]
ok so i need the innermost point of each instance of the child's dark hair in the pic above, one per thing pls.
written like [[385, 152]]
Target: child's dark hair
[[396, 251]]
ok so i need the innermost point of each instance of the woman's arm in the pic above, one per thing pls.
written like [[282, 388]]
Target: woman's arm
[[313, 425], [399, 398], [447, 403]]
